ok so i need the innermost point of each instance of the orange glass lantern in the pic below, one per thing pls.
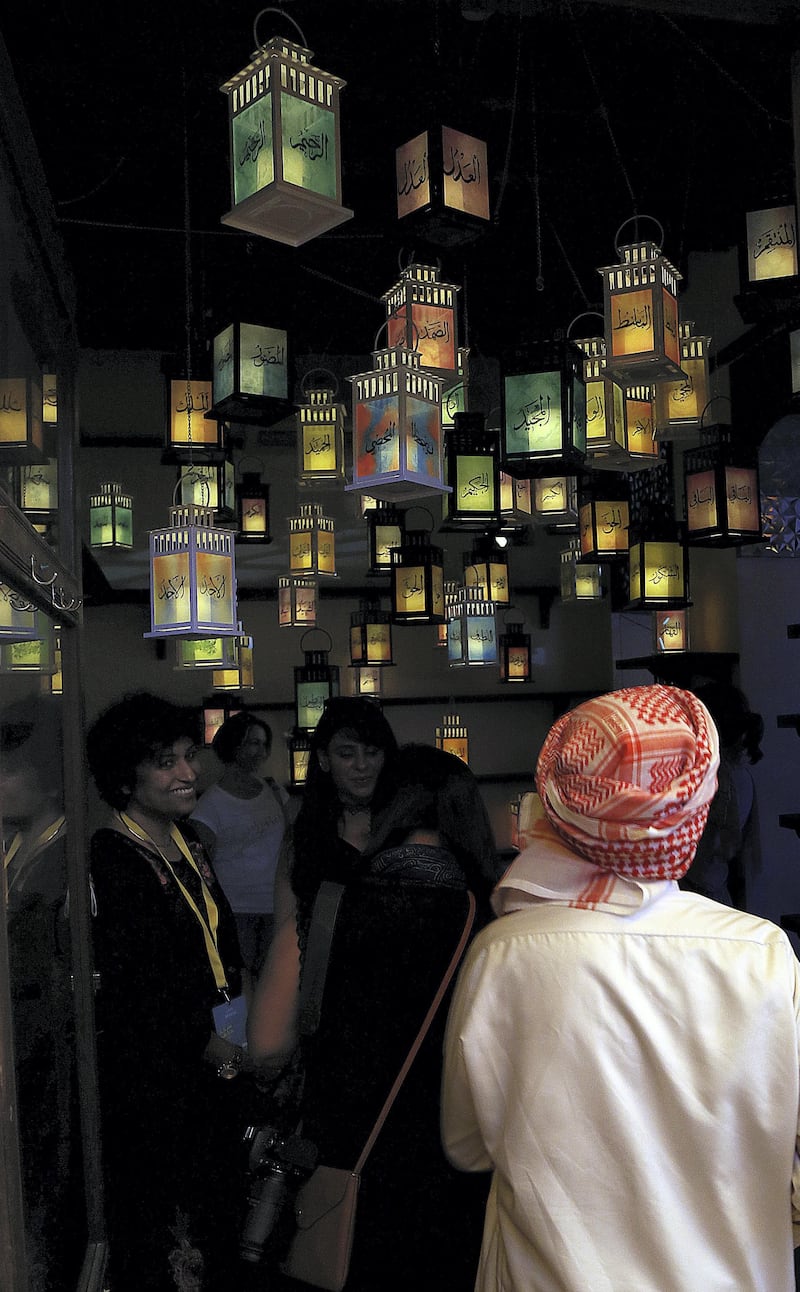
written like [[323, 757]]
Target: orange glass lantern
[[442, 185], [671, 631], [189, 428], [252, 509], [515, 654], [312, 542], [452, 736], [680, 404], [641, 316], [421, 315], [723, 499], [297, 603]]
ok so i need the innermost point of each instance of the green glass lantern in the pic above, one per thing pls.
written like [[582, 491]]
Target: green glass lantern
[[38, 491], [250, 378], [111, 518], [286, 179], [544, 409], [472, 469], [315, 682], [209, 484]]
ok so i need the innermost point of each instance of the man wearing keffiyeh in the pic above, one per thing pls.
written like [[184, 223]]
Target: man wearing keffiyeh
[[622, 1055]]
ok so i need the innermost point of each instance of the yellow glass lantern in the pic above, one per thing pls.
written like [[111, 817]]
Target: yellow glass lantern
[[771, 244], [34, 656], [19, 619], [641, 316], [315, 682], [241, 676], [451, 588], [110, 518], [555, 502], [455, 392], [320, 441], [544, 409], [297, 603], [21, 428], [604, 520], [515, 654], [486, 567], [250, 378], [397, 428], [671, 631], [471, 629], [286, 181], [452, 736], [516, 501], [417, 580], [723, 498], [252, 509], [367, 679], [658, 573], [605, 407], [442, 186], [371, 635], [421, 315], [189, 429], [50, 399], [385, 526], [472, 469], [312, 542], [216, 710], [680, 404], [580, 580], [192, 577], [299, 746]]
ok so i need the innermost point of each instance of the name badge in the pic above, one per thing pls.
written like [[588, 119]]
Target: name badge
[[230, 1021]]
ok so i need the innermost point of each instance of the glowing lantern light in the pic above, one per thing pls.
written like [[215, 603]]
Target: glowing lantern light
[[723, 500], [297, 603], [188, 427], [299, 746], [50, 399], [641, 315], [19, 619], [555, 502], [421, 315], [471, 629], [771, 244], [110, 518], [312, 542], [252, 509], [472, 458], [371, 635], [443, 185], [417, 580], [658, 573], [680, 404], [38, 491], [284, 145], [544, 409], [367, 680], [452, 736], [250, 378], [580, 580], [515, 654], [192, 577], [386, 530], [217, 710], [209, 484], [671, 631], [320, 441], [604, 520], [315, 682], [397, 428], [21, 428], [516, 503], [487, 567]]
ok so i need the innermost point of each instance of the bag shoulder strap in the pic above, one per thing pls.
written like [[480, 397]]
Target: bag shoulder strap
[[409, 1059], [318, 950]]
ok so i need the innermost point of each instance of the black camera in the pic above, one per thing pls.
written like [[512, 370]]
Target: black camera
[[277, 1164]]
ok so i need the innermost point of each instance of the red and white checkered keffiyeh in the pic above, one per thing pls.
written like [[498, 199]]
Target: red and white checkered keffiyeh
[[626, 779]]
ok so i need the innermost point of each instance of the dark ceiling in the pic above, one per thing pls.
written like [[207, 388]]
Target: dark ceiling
[[593, 113]]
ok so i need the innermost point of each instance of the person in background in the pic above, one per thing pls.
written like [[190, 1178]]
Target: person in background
[[621, 1054], [349, 773], [727, 857], [241, 819], [174, 1102], [398, 924]]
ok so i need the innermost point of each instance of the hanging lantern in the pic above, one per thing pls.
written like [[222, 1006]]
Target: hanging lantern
[[50, 399], [604, 519], [385, 526], [472, 458], [38, 491], [605, 407], [443, 186], [680, 404], [723, 499], [516, 501], [35, 656], [450, 596], [670, 631], [315, 682], [252, 509], [397, 428], [239, 676], [19, 619], [110, 518], [771, 244], [312, 542], [641, 445], [371, 635], [192, 577], [487, 567], [421, 315], [555, 502], [250, 379], [297, 603], [286, 179], [580, 580], [217, 710], [299, 746], [207, 652], [544, 409], [53, 683], [658, 572], [641, 315], [21, 429], [367, 679], [515, 654], [209, 484], [320, 440], [417, 580], [455, 390], [471, 629], [188, 427], [452, 736]]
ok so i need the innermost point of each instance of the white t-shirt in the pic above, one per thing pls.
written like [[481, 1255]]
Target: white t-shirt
[[249, 834]]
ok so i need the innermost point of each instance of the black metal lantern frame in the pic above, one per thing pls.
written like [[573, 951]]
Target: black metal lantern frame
[[515, 654], [723, 498], [315, 682], [417, 580], [472, 469], [371, 636], [544, 409]]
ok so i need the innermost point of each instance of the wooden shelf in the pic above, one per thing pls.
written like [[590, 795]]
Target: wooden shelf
[[680, 667]]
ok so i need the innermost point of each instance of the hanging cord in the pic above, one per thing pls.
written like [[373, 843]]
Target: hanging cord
[[514, 98], [536, 192], [603, 110], [693, 46], [187, 264]]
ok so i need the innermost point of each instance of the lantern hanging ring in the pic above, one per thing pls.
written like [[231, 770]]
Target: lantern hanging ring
[[386, 325], [261, 13], [584, 314], [412, 260], [506, 613], [634, 219], [249, 458], [317, 630], [427, 513], [711, 401], [311, 371]]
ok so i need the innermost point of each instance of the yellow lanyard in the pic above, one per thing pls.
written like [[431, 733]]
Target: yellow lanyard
[[47, 836], [209, 922]]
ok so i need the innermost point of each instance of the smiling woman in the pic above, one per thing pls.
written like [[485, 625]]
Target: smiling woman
[[170, 1011]]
